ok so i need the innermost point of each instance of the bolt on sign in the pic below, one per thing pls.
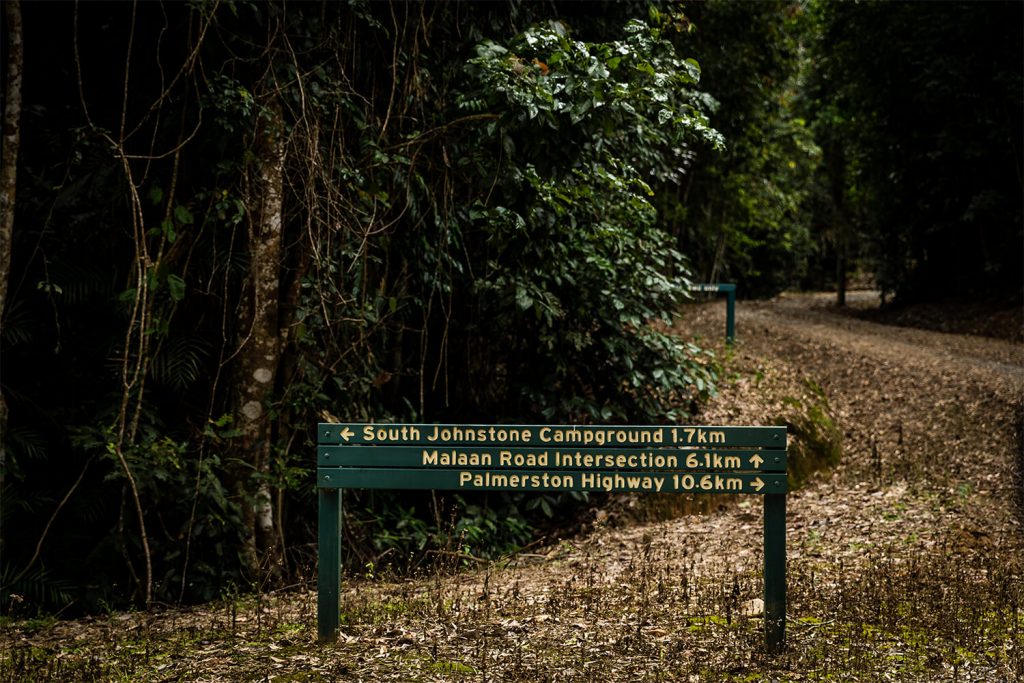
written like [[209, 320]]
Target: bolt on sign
[[536, 458]]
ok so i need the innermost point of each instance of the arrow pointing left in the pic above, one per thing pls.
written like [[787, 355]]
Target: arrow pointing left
[[347, 433]]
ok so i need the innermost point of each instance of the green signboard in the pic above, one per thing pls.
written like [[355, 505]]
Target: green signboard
[[538, 458], [730, 307], [636, 436], [548, 480], [563, 458]]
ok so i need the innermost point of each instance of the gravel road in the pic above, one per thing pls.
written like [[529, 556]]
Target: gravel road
[[905, 560]]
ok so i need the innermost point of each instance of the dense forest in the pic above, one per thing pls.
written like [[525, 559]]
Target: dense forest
[[223, 222]]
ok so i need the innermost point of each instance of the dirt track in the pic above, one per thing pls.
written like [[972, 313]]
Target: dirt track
[[942, 410], [930, 423], [815, 318], [905, 561]]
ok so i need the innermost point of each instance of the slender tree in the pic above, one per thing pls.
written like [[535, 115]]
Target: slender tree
[[260, 350], [8, 182]]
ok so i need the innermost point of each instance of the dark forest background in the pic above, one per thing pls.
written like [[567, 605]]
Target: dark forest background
[[224, 222]]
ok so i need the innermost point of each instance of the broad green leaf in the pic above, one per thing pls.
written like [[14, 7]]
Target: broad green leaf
[[183, 215], [176, 287]]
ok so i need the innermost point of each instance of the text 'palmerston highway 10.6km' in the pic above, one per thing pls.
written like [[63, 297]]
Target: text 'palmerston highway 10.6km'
[[551, 457]]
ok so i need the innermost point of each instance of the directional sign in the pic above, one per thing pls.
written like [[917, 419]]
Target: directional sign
[[712, 288], [730, 305], [534, 458], [625, 436]]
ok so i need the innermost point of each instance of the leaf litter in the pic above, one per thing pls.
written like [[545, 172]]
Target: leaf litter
[[905, 559]]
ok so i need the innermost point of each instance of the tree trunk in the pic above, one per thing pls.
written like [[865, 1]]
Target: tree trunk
[[841, 269], [840, 219], [8, 181], [259, 353]]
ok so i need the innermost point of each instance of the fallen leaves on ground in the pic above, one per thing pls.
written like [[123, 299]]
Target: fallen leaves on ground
[[904, 560]]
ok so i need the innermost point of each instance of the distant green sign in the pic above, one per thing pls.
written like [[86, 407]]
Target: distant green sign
[[730, 307]]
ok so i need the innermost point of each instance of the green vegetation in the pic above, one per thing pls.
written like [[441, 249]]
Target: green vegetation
[[745, 215], [917, 111], [236, 219], [378, 215], [817, 441]]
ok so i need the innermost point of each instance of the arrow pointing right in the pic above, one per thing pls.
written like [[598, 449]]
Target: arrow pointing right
[[756, 460], [757, 484]]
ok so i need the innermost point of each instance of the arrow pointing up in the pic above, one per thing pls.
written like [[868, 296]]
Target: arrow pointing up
[[347, 433], [756, 460], [757, 484]]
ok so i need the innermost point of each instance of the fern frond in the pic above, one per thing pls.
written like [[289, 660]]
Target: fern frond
[[34, 588], [17, 324], [179, 362]]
